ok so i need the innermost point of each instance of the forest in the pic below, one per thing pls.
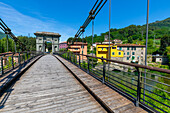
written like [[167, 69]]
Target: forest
[[158, 39], [29, 42]]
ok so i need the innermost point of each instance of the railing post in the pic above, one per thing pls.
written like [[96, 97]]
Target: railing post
[[12, 61], [104, 71], [27, 56], [70, 56], [24, 58], [19, 59], [76, 59], [138, 87], [67, 56], [2, 67], [88, 68], [79, 61]]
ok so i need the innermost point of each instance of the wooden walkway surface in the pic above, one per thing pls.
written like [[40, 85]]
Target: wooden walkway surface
[[48, 87], [113, 100]]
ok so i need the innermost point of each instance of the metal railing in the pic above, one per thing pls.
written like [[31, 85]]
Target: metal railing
[[128, 79], [10, 61]]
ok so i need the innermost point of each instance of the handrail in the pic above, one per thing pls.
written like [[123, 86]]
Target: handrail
[[124, 83], [130, 64], [3, 54]]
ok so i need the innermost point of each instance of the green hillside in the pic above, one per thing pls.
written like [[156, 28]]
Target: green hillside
[[136, 32]]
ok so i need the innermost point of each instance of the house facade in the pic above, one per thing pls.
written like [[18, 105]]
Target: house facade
[[63, 45], [102, 50], [133, 53], [79, 48]]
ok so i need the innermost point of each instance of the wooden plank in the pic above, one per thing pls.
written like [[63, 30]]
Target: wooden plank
[[48, 87], [111, 98]]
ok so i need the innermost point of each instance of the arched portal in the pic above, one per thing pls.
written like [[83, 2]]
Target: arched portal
[[42, 37]]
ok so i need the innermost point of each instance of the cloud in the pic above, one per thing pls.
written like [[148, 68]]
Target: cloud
[[23, 24]]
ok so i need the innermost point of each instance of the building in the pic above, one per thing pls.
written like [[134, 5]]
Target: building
[[102, 50], [63, 45], [115, 41], [42, 37], [79, 48], [161, 59], [133, 53]]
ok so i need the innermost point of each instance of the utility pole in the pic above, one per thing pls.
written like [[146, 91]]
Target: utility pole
[[147, 27], [7, 41], [109, 35], [92, 40], [154, 41]]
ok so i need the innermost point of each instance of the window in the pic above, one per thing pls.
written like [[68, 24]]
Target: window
[[124, 54], [113, 47], [127, 58], [133, 53], [120, 48], [56, 40], [134, 48], [119, 53], [76, 49], [55, 46], [102, 48], [113, 53], [82, 46], [133, 57], [127, 53], [142, 53], [127, 48], [40, 39]]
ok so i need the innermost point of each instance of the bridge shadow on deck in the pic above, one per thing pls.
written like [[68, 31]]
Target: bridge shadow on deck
[[8, 89]]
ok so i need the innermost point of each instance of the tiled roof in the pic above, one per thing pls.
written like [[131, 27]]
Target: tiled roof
[[63, 42], [79, 43], [47, 33]]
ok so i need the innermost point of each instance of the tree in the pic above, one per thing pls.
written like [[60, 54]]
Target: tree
[[130, 40], [165, 42]]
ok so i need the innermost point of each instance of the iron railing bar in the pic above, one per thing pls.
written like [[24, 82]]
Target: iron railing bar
[[156, 75], [153, 105], [124, 76], [157, 81], [121, 83], [155, 93], [156, 100], [124, 89], [155, 87], [123, 80]]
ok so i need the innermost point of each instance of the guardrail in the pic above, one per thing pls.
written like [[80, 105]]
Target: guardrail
[[10, 61], [149, 89]]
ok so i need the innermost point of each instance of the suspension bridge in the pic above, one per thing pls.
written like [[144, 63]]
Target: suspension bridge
[[34, 81]]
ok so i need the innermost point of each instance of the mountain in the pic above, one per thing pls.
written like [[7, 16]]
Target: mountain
[[162, 24], [2, 35], [136, 32]]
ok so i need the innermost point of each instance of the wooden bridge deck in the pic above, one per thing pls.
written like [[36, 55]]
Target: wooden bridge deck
[[48, 87], [113, 100]]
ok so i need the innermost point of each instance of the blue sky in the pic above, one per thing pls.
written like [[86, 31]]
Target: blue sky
[[66, 16]]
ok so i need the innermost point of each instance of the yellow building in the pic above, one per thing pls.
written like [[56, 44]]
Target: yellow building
[[102, 50]]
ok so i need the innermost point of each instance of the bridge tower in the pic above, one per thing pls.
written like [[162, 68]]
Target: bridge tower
[[42, 37]]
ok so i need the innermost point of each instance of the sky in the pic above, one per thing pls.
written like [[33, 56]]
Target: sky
[[66, 16]]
